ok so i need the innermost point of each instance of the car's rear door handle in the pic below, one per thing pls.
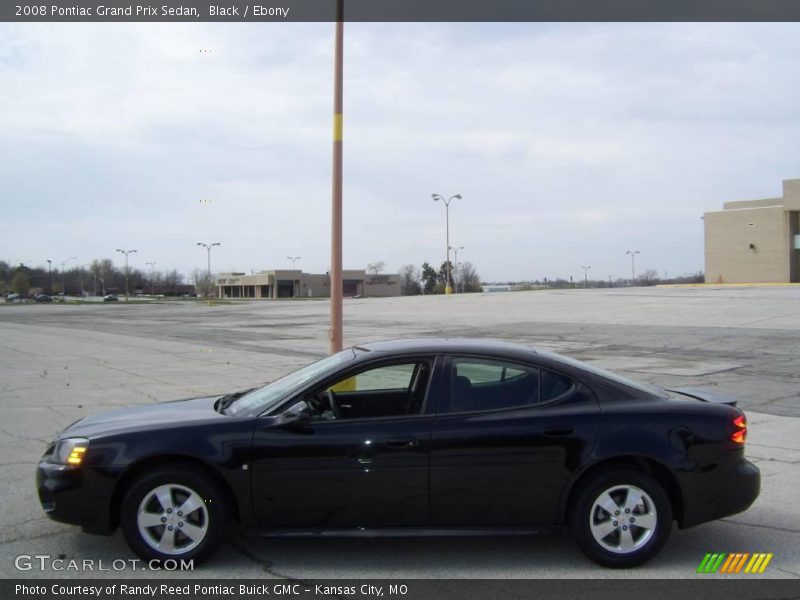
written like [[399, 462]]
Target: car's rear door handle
[[401, 443], [565, 430]]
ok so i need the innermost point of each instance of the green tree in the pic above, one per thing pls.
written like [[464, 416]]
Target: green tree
[[21, 283], [428, 279]]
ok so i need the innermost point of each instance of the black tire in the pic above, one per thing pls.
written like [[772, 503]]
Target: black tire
[[207, 520], [627, 544]]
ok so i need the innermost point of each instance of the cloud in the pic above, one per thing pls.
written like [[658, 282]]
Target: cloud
[[566, 141]]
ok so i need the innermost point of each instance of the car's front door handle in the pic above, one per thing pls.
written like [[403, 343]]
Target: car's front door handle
[[566, 430], [401, 443]]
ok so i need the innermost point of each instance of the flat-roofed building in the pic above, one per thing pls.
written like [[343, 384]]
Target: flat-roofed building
[[755, 241], [293, 283]]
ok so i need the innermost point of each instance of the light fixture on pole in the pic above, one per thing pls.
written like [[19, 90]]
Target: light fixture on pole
[[455, 264], [633, 254], [586, 276], [152, 266], [436, 198], [63, 277], [208, 247], [294, 260], [126, 253]]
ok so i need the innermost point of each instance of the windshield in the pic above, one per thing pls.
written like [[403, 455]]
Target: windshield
[[263, 398], [642, 387]]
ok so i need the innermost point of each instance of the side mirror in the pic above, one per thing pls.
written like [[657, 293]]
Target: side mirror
[[297, 416]]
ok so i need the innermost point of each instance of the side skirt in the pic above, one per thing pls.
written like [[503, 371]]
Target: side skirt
[[361, 532]]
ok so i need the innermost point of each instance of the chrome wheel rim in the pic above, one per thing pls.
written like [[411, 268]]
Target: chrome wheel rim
[[172, 519], [623, 519]]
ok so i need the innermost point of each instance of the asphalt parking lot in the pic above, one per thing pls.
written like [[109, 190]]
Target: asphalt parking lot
[[61, 362]]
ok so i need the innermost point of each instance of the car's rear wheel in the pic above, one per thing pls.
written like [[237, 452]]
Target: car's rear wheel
[[174, 512], [621, 518]]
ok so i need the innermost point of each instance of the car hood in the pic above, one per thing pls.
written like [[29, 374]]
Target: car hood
[[176, 412]]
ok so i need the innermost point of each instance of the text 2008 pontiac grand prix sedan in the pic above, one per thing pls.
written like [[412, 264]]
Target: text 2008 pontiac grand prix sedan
[[413, 437]]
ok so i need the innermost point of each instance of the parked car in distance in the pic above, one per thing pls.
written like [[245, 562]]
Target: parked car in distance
[[43, 298], [13, 297], [110, 298], [414, 437]]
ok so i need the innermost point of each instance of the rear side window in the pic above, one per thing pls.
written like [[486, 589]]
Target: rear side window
[[481, 384], [554, 385]]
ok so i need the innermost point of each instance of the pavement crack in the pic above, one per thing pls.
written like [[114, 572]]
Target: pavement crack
[[772, 527]]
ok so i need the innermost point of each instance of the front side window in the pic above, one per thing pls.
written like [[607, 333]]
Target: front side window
[[389, 390], [264, 398]]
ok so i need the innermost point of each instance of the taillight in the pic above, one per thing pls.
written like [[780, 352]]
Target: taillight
[[740, 434]]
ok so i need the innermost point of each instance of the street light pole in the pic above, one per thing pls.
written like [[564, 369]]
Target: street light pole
[[455, 264], [633, 254], [49, 276], [294, 259], [152, 266], [127, 271], [586, 276], [63, 276], [208, 247], [436, 197]]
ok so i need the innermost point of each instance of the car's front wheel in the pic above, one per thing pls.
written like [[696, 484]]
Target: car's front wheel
[[621, 518], [173, 512]]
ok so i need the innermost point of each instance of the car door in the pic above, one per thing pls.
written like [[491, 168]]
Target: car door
[[506, 439], [365, 467]]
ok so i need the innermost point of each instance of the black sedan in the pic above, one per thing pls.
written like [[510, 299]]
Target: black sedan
[[414, 437]]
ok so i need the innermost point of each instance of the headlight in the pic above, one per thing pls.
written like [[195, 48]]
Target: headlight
[[70, 451]]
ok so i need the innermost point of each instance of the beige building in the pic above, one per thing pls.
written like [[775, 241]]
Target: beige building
[[293, 283], [755, 241]]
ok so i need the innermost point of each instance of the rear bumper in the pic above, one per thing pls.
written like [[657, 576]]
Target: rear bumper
[[75, 495], [733, 490]]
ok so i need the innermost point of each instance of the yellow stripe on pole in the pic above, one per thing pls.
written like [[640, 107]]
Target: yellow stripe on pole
[[337, 127]]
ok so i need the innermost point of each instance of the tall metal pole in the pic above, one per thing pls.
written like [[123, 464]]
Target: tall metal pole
[[63, 275], [448, 289], [586, 276], [633, 254], [208, 247], [456, 277], [436, 197], [336, 334], [50, 276], [152, 266], [126, 253]]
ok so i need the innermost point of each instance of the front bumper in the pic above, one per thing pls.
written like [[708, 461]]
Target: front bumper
[[733, 490], [75, 495]]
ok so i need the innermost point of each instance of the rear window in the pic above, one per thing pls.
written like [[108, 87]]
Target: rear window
[[652, 390]]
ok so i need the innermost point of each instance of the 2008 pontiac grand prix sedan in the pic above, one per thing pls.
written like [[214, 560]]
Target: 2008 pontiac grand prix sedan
[[412, 437]]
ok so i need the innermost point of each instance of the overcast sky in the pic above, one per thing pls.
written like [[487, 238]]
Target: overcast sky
[[570, 144]]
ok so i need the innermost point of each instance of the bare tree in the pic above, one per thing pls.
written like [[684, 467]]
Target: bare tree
[[470, 281], [410, 277], [203, 282], [376, 267], [649, 277], [172, 279]]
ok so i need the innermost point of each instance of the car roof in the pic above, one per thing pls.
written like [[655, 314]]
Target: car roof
[[448, 345]]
